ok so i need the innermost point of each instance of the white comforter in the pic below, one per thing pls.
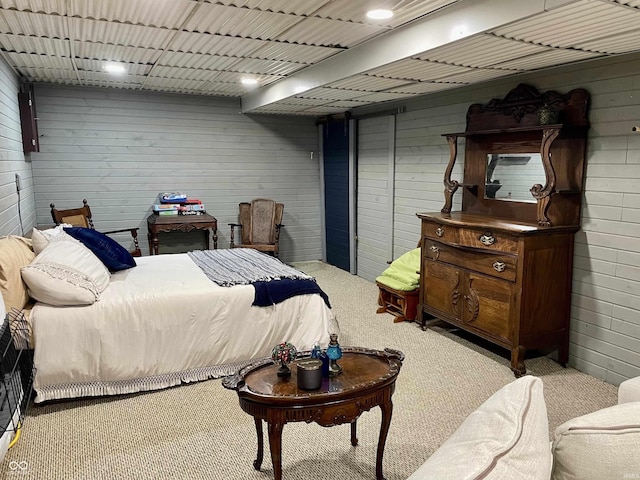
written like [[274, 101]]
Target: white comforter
[[159, 324]]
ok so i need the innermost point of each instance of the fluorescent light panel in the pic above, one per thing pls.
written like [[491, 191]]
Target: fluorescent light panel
[[115, 68]]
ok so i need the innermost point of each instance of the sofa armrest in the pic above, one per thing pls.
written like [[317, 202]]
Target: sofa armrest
[[629, 391]]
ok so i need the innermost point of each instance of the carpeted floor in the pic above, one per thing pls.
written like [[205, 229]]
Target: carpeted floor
[[198, 431]]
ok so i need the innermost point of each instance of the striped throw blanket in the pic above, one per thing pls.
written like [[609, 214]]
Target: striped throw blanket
[[242, 266]]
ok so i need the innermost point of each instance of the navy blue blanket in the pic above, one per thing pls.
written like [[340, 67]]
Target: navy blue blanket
[[275, 291]]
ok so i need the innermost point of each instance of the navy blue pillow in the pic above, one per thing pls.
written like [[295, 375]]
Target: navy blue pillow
[[114, 256]]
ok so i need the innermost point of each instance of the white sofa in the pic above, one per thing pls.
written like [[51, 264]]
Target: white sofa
[[507, 437]]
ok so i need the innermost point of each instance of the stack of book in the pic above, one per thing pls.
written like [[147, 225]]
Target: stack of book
[[178, 204]]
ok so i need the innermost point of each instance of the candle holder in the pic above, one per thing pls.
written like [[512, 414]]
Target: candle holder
[[283, 354]]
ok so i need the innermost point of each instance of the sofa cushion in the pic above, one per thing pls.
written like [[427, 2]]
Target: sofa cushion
[[603, 444], [507, 437]]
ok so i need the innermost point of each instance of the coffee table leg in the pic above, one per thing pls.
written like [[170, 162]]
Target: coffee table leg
[[354, 438], [387, 410], [275, 445], [258, 461]]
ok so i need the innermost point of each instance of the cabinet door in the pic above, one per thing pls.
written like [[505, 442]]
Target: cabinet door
[[488, 304], [443, 289]]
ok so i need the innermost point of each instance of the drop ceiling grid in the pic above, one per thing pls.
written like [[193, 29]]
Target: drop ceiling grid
[[569, 25]]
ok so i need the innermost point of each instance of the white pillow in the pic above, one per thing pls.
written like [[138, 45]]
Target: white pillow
[[507, 437], [40, 238], [602, 444], [66, 273]]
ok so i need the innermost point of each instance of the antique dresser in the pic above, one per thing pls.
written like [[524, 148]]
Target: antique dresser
[[501, 267]]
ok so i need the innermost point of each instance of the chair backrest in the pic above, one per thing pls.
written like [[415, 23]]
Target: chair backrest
[[259, 219], [78, 217]]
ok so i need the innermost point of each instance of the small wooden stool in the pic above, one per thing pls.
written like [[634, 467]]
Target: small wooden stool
[[402, 304]]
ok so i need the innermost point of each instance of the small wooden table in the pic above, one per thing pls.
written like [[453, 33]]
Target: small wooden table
[[182, 223], [368, 380]]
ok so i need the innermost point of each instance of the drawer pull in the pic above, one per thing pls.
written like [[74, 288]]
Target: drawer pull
[[435, 250], [487, 239], [499, 266], [439, 231]]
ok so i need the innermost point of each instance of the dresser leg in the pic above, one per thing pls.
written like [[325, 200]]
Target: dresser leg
[[517, 361]]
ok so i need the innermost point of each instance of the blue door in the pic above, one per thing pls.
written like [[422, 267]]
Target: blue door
[[336, 191]]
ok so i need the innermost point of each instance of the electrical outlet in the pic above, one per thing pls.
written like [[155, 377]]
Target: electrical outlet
[[18, 182]]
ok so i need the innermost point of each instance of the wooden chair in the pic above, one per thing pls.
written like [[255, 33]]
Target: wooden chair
[[260, 224], [81, 217]]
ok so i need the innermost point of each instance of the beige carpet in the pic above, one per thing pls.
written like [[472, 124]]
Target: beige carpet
[[199, 432]]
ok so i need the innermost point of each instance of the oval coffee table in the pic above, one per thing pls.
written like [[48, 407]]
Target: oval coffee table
[[367, 380]]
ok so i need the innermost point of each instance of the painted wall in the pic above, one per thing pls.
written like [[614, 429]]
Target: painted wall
[[17, 211], [605, 316], [119, 149]]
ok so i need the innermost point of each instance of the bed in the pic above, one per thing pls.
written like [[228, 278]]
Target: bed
[[159, 324]]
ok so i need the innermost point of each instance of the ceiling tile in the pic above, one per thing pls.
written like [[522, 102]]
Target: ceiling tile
[[97, 66], [547, 59], [269, 67], [623, 43], [411, 69], [118, 34], [367, 83], [115, 53], [383, 96], [297, 7], [330, 94], [572, 24], [58, 7], [34, 45], [481, 51], [424, 87], [185, 73], [212, 44], [32, 24], [240, 22], [21, 60], [66, 76], [479, 75], [307, 54], [155, 13], [329, 33]]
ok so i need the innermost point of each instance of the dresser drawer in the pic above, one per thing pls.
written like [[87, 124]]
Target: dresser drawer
[[496, 265], [437, 231], [487, 239]]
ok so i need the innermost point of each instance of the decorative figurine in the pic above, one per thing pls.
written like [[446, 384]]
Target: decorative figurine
[[284, 354], [334, 352]]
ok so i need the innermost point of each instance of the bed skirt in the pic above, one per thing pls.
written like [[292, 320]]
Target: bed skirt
[[120, 387]]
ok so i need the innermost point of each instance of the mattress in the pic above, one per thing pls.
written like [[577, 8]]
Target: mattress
[[160, 324]]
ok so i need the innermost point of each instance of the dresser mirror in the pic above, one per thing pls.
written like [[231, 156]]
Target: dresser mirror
[[511, 176]]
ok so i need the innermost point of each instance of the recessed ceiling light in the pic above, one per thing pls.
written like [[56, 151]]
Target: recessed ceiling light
[[114, 67], [379, 14], [249, 81]]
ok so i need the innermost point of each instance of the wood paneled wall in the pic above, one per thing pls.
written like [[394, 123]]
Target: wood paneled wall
[[120, 148], [605, 315], [17, 212]]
